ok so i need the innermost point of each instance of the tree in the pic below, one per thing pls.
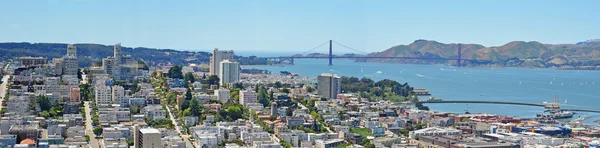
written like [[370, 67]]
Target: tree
[[175, 72], [98, 130], [135, 109], [188, 94], [189, 77], [45, 114], [44, 103], [184, 105], [277, 84], [213, 80], [195, 107], [234, 112]]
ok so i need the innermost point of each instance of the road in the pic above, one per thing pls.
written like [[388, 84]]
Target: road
[[3, 88], [184, 136], [88, 126]]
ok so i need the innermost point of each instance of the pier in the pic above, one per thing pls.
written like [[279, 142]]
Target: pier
[[551, 106]]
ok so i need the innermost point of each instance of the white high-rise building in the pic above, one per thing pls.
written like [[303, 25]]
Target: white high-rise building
[[328, 85], [70, 64], [217, 57], [103, 95], [229, 73], [248, 96], [118, 95], [147, 138], [117, 61]]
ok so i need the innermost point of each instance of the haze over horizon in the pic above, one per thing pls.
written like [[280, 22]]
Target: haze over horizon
[[291, 27]]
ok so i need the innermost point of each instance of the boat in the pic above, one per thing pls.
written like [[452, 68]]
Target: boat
[[379, 72], [565, 101], [557, 115]]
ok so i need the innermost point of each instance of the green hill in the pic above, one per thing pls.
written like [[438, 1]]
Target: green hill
[[92, 53], [512, 54]]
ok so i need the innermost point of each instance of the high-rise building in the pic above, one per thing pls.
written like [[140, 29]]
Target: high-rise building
[[75, 95], [103, 95], [117, 61], [118, 94], [229, 73], [247, 96], [328, 85], [70, 66], [217, 57], [147, 138]]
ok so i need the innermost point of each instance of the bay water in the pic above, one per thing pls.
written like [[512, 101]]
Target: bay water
[[575, 88]]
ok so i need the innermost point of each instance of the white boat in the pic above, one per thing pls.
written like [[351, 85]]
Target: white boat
[[550, 82], [565, 101], [520, 82], [379, 72]]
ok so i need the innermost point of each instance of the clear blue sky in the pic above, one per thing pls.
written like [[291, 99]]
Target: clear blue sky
[[296, 26]]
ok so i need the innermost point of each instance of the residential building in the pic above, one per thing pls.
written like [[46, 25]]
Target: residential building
[[70, 64], [247, 96], [75, 95], [229, 72], [103, 95], [118, 95], [147, 138], [328, 85], [155, 112], [222, 94], [216, 59], [433, 131], [32, 61]]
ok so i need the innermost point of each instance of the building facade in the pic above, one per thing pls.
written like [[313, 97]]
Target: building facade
[[229, 73], [328, 85], [217, 57], [247, 97]]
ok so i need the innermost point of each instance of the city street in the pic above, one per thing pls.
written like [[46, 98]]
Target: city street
[[88, 126], [184, 136], [3, 88]]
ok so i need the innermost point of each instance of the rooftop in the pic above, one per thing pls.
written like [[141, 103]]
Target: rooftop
[[149, 131]]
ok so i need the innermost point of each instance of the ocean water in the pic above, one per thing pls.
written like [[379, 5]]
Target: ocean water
[[580, 89]]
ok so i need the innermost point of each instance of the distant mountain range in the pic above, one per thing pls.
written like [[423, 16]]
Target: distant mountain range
[[92, 53], [582, 55]]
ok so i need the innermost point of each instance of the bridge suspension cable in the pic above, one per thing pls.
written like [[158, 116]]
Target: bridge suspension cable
[[314, 48], [351, 48]]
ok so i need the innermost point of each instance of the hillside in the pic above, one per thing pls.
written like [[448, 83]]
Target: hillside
[[92, 53], [512, 54]]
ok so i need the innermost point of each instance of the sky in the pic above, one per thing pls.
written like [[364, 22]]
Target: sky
[[285, 26]]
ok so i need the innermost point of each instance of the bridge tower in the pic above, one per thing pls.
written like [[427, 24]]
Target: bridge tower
[[459, 55], [330, 53]]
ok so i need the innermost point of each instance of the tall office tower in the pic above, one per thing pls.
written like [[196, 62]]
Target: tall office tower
[[70, 63], [229, 72], [217, 57], [328, 85]]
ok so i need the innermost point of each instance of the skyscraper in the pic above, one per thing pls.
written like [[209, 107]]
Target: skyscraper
[[116, 72], [217, 57], [229, 72], [328, 85]]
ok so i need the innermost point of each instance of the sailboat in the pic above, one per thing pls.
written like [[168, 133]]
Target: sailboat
[[550, 82], [565, 101], [520, 82]]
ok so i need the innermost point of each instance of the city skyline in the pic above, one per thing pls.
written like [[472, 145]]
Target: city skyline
[[294, 26]]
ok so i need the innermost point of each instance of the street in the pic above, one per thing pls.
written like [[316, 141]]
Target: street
[[3, 88], [88, 126], [184, 136]]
